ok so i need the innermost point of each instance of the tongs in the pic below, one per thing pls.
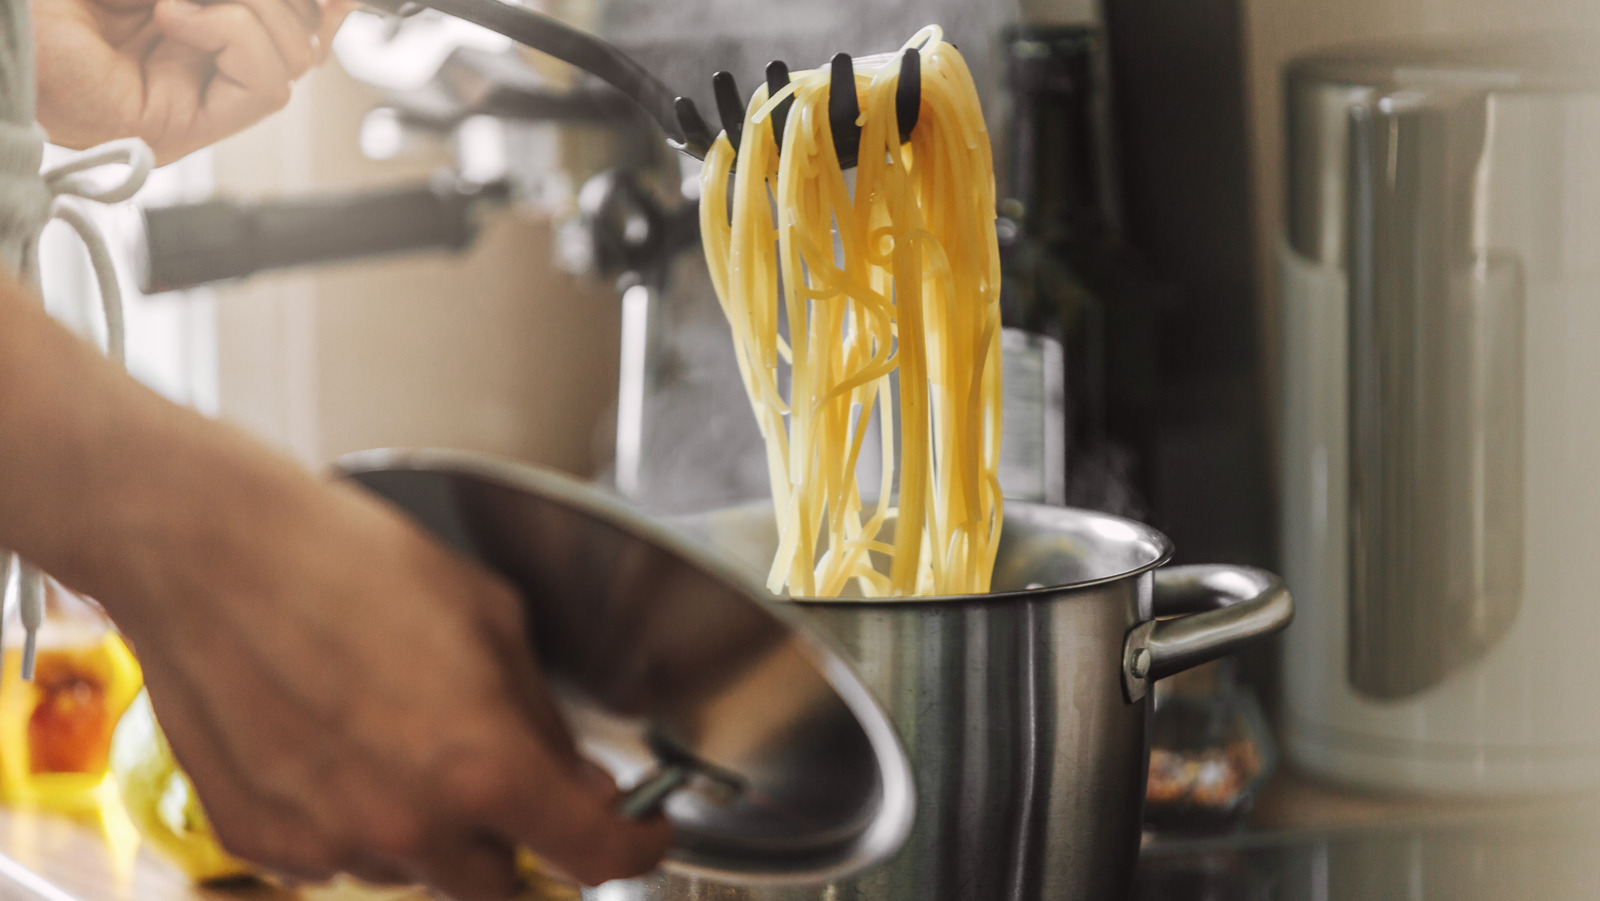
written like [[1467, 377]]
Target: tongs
[[677, 115]]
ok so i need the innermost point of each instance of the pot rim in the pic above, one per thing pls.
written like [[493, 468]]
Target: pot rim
[[1161, 545]]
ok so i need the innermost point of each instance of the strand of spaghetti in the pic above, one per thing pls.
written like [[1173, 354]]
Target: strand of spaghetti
[[759, 382], [889, 284], [926, 36]]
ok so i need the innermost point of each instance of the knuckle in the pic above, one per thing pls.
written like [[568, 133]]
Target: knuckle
[[233, 18], [394, 835], [471, 872], [594, 870], [478, 887], [278, 96], [287, 775], [474, 783], [292, 848], [596, 860], [259, 842], [317, 858], [613, 852], [304, 55], [243, 843], [502, 594], [506, 616]]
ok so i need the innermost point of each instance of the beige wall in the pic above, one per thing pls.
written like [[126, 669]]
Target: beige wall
[[495, 351], [492, 350], [1279, 30], [1059, 12]]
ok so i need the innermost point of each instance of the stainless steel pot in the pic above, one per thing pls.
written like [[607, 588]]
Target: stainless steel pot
[[1024, 712]]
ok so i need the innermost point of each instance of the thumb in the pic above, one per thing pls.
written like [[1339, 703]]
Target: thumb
[[570, 818], [334, 13]]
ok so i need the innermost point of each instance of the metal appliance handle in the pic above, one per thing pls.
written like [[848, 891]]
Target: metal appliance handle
[[216, 240], [1436, 395], [1214, 610]]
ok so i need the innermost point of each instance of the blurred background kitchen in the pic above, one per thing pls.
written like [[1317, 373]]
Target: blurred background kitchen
[[1172, 214]]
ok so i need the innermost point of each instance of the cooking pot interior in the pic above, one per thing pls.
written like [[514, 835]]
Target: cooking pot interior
[[1041, 547]]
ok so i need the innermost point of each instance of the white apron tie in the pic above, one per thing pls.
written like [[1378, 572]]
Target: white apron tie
[[27, 203]]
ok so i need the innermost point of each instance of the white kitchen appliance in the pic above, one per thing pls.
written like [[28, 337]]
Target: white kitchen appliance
[[1440, 430]]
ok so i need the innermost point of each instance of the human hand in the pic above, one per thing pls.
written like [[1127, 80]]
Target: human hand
[[179, 74], [349, 697]]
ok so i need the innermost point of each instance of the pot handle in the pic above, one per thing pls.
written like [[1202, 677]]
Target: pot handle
[[1213, 611]]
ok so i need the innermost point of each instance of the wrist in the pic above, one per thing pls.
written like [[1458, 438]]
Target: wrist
[[193, 514], [115, 491]]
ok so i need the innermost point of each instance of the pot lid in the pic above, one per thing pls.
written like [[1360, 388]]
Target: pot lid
[[676, 673]]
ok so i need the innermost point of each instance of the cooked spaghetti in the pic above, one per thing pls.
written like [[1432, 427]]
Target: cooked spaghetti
[[889, 296]]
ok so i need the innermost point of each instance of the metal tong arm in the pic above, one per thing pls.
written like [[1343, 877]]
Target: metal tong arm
[[677, 115], [568, 44]]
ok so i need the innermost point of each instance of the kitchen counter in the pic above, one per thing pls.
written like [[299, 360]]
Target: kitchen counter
[[1304, 842], [1310, 842], [45, 857]]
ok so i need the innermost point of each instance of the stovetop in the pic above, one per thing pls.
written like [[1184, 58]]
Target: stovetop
[[1543, 854]]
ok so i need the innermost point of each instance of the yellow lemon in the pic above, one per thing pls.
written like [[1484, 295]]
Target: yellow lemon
[[160, 800]]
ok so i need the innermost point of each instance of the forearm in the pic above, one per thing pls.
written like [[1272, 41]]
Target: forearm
[[102, 482], [279, 621]]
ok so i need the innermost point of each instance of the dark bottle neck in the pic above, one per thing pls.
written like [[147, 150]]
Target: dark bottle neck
[[1055, 136]]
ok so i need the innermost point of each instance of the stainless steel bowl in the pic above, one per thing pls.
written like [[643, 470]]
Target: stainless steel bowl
[[769, 756], [1024, 712]]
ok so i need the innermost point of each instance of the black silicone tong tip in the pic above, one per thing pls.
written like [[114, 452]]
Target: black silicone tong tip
[[777, 80], [908, 93], [730, 107], [844, 108], [697, 136]]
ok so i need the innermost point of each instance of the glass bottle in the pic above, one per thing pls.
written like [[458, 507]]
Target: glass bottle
[[1068, 274], [55, 730]]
